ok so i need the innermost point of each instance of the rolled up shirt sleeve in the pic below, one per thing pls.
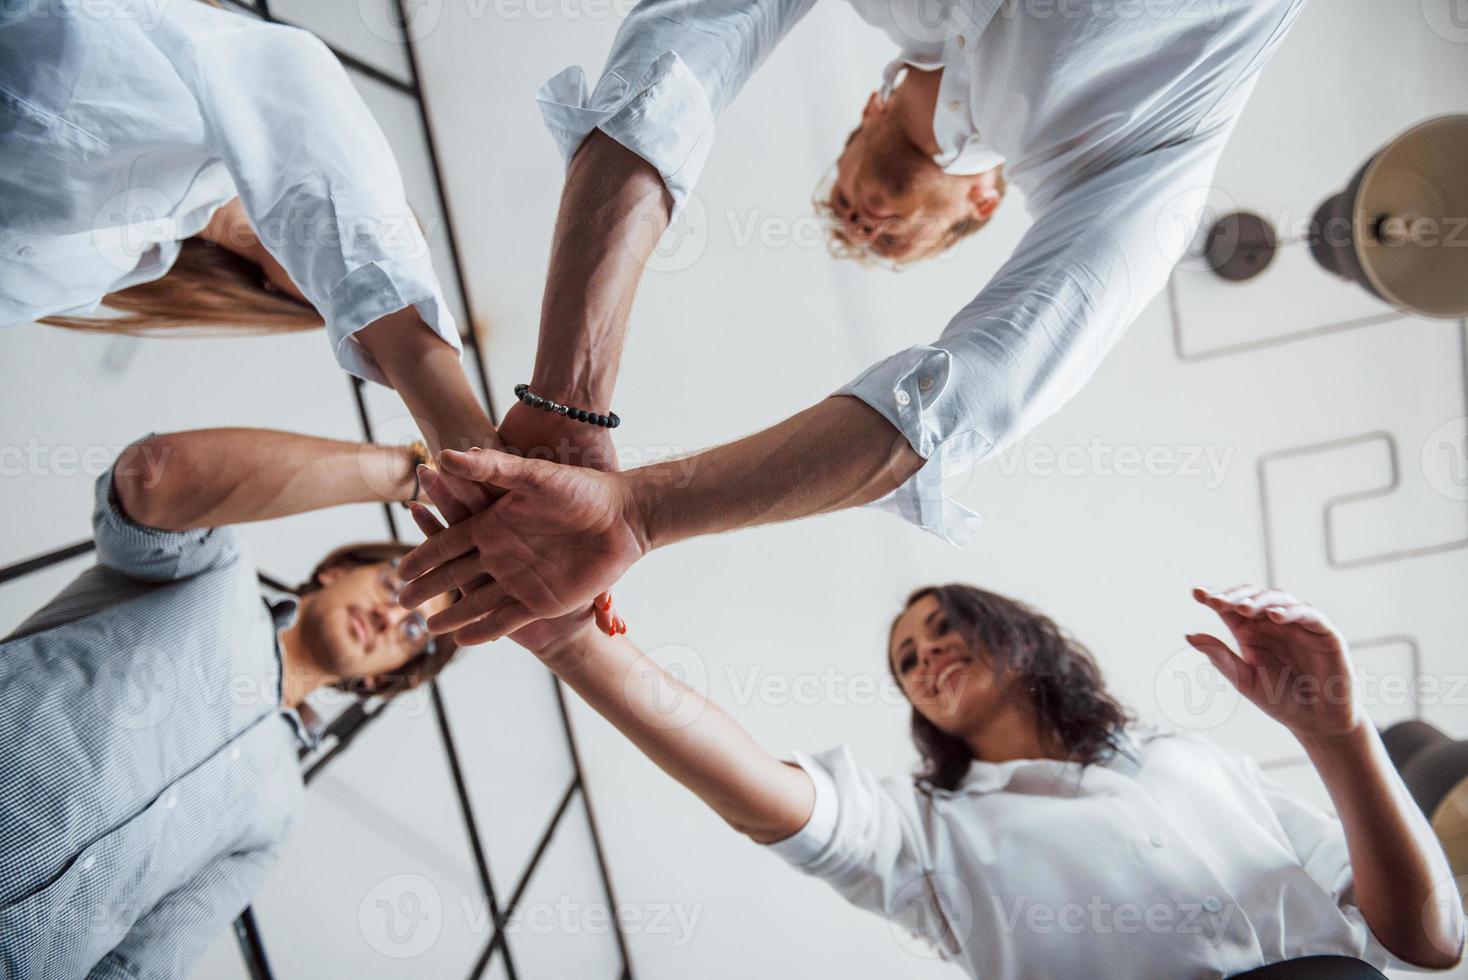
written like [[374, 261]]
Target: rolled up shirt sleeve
[[316, 176], [865, 839], [149, 553], [1097, 254], [673, 68]]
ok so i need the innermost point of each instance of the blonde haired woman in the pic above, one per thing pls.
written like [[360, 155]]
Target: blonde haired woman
[[179, 165]]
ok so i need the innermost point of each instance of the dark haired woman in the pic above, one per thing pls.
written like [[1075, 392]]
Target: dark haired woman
[[1048, 835]]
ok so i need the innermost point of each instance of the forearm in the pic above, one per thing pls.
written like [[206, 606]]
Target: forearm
[[1395, 857], [614, 208], [840, 453], [214, 477], [686, 735], [428, 375]]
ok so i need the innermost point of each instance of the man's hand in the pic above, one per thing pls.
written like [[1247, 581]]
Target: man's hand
[[538, 434], [558, 537], [1292, 662], [543, 638]]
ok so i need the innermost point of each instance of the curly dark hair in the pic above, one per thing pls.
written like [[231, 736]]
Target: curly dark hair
[[1060, 675]]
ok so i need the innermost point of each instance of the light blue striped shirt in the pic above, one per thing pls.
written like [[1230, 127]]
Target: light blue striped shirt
[[148, 772]]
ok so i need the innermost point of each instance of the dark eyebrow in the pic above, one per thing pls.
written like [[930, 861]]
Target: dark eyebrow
[[903, 646], [936, 612]]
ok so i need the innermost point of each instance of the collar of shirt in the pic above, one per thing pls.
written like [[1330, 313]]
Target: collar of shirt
[[992, 777], [283, 607], [948, 44]]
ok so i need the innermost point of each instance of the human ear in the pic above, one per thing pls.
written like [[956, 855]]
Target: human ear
[[984, 199], [874, 107], [330, 575]]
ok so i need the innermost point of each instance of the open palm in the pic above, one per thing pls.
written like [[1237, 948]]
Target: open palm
[[1292, 663]]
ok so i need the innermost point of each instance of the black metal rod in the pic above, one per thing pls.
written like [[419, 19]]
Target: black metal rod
[[252, 947], [466, 807], [601, 857], [498, 940], [440, 189], [349, 60], [29, 566]]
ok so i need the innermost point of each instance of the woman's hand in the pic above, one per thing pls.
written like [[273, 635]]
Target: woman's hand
[[1292, 662]]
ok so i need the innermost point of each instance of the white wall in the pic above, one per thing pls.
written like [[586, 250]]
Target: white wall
[[737, 332]]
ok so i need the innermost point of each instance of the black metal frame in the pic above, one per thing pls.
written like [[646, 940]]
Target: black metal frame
[[344, 729]]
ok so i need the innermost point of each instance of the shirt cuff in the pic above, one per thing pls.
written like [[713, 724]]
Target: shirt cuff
[[915, 392], [373, 291], [807, 843], [665, 117]]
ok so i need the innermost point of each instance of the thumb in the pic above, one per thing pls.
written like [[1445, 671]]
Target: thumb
[[489, 466]]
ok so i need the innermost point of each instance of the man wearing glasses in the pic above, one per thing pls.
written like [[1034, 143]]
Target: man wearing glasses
[[151, 713]]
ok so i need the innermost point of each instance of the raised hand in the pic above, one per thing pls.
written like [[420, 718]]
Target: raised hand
[[558, 537], [1292, 662]]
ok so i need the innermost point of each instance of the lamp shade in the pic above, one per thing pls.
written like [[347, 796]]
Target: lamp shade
[[1400, 228]]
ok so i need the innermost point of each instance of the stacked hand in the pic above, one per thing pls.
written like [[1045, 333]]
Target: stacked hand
[[559, 536], [1292, 663], [460, 495]]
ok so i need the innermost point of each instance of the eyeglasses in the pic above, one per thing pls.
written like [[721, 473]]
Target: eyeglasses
[[413, 627]]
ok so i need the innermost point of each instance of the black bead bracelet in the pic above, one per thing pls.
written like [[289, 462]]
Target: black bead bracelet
[[609, 420]]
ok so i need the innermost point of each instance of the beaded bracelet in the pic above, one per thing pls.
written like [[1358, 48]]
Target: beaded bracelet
[[609, 420]]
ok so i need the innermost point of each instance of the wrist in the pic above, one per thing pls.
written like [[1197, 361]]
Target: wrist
[[578, 389], [565, 654], [1355, 741], [647, 506]]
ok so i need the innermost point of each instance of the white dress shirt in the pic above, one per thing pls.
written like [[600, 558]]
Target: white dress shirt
[[1183, 862], [1109, 116], [125, 125]]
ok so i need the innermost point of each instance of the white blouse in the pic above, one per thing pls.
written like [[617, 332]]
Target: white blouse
[[1109, 116], [1183, 862], [125, 125]]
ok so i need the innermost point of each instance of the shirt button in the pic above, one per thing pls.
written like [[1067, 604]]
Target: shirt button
[[171, 802], [926, 384], [955, 105], [234, 754], [1212, 904], [962, 40], [1157, 840], [903, 398], [89, 862]]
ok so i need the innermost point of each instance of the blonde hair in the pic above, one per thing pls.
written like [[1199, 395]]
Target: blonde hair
[[210, 290], [842, 246]]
